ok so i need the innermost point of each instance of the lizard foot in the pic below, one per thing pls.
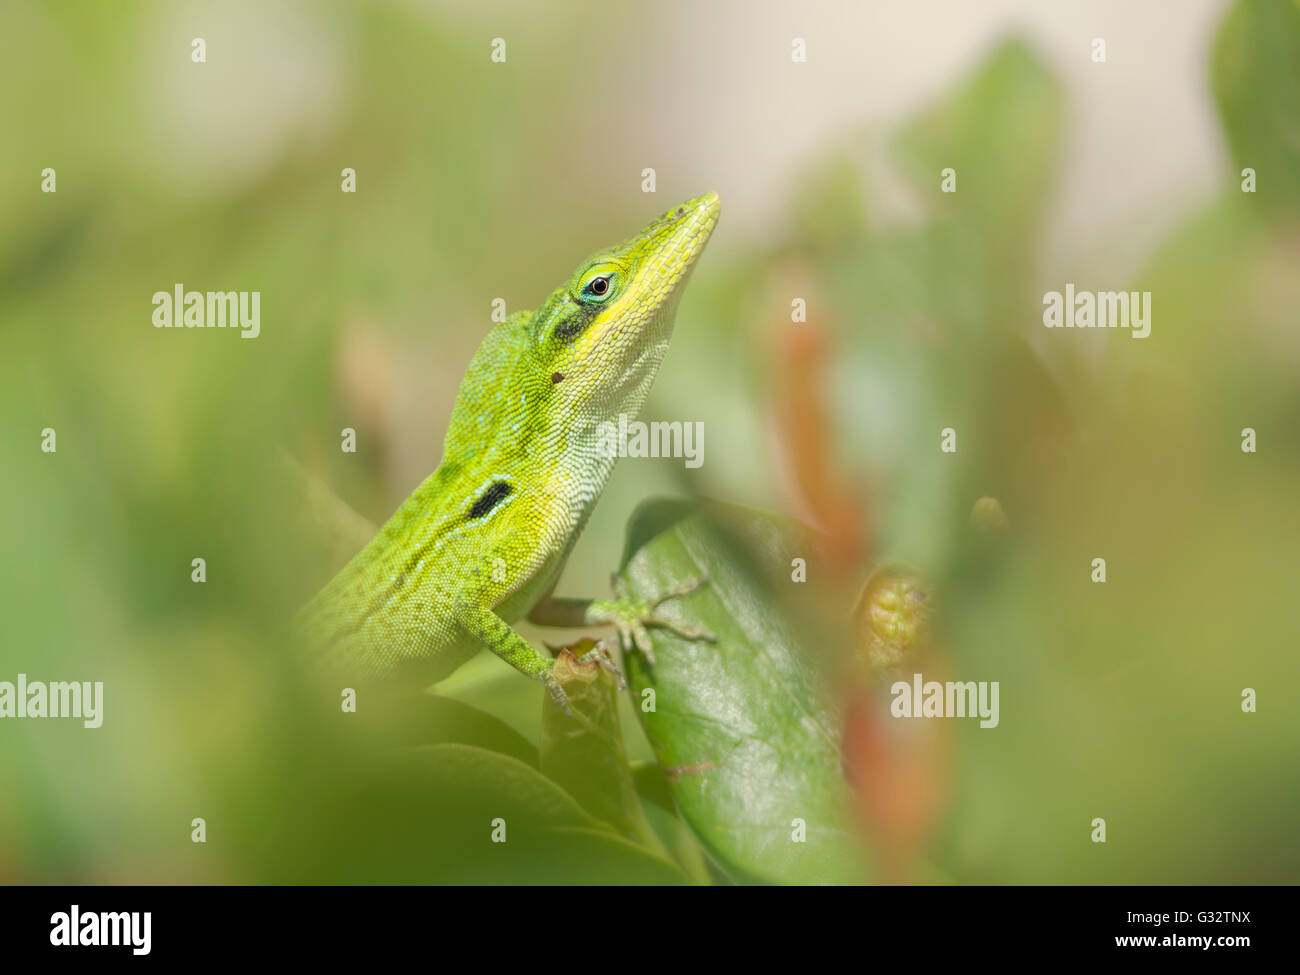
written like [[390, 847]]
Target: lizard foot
[[632, 617]]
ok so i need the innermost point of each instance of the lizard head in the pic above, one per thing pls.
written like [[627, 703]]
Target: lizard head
[[600, 338]]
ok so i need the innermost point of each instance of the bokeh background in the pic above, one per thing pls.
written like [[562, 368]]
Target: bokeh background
[[478, 180]]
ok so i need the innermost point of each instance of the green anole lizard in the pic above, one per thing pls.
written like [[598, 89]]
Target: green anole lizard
[[482, 541]]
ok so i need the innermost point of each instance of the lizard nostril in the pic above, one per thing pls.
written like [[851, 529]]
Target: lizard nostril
[[680, 211]]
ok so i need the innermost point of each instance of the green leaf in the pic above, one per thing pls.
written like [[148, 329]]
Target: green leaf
[[447, 814], [590, 856], [584, 752], [1256, 68], [475, 777], [742, 727], [548, 836], [401, 718], [1000, 132]]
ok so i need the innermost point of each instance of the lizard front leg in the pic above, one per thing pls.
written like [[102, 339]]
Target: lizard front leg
[[496, 634]]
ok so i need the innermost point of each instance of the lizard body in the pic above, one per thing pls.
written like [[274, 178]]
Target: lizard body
[[483, 539]]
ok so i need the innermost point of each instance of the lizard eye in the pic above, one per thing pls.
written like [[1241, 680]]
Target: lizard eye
[[597, 289], [599, 283]]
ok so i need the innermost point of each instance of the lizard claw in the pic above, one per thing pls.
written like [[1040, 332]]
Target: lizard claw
[[601, 655], [556, 691]]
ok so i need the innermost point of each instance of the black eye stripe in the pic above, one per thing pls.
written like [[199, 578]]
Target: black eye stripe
[[494, 495], [576, 323]]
